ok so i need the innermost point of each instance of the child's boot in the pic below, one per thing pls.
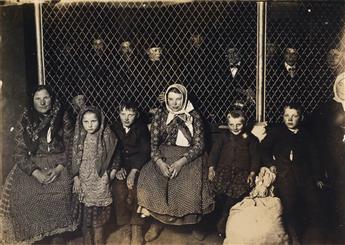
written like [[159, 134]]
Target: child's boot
[[99, 237], [125, 234], [137, 235], [198, 234]]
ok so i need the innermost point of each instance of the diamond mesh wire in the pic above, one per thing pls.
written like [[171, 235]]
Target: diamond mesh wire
[[82, 53], [313, 29]]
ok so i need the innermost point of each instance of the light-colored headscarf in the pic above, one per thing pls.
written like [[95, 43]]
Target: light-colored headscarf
[[183, 137], [187, 106], [340, 78]]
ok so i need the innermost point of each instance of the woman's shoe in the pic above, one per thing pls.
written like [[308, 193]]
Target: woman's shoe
[[153, 232], [57, 240], [198, 235]]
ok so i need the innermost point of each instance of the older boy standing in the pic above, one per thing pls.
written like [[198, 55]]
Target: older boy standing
[[134, 145], [291, 150]]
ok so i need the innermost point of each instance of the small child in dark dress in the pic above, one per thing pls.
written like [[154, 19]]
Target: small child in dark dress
[[233, 163]]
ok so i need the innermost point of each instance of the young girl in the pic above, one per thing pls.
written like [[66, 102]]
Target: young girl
[[93, 156], [233, 162]]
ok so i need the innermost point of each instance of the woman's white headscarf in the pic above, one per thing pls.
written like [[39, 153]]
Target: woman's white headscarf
[[187, 106], [340, 78], [183, 114]]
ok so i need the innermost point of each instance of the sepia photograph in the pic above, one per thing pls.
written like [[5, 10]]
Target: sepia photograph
[[172, 122]]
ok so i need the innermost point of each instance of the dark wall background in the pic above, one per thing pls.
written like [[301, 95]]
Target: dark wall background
[[17, 71]]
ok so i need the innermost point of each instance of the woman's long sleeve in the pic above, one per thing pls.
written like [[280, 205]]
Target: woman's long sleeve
[[68, 131], [197, 146], [21, 153], [155, 137]]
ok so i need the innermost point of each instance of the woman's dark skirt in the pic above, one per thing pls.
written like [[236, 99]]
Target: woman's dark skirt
[[36, 210], [179, 201]]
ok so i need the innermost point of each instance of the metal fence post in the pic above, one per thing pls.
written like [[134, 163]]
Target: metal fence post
[[261, 61], [39, 42]]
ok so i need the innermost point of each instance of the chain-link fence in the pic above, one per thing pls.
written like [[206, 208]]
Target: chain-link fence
[[83, 54], [311, 29], [102, 50]]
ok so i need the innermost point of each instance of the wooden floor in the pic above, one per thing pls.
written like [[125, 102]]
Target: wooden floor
[[183, 236], [170, 236]]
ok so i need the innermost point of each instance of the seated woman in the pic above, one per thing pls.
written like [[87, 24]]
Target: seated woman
[[171, 187], [39, 187]]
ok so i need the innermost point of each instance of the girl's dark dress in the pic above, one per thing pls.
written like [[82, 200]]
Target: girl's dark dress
[[234, 157]]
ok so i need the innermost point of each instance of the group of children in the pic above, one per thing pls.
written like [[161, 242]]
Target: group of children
[[106, 161], [290, 151], [103, 154]]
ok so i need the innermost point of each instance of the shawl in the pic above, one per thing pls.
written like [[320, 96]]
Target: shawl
[[36, 125], [106, 142], [340, 78]]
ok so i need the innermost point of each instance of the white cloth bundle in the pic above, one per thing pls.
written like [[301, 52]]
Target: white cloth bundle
[[257, 219]]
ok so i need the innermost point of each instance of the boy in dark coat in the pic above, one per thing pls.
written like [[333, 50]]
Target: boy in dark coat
[[134, 145], [291, 150]]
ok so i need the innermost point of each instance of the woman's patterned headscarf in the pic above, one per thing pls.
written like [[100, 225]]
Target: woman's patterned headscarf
[[37, 125]]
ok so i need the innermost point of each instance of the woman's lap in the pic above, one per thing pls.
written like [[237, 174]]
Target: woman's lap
[[39, 210], [178, 197]]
